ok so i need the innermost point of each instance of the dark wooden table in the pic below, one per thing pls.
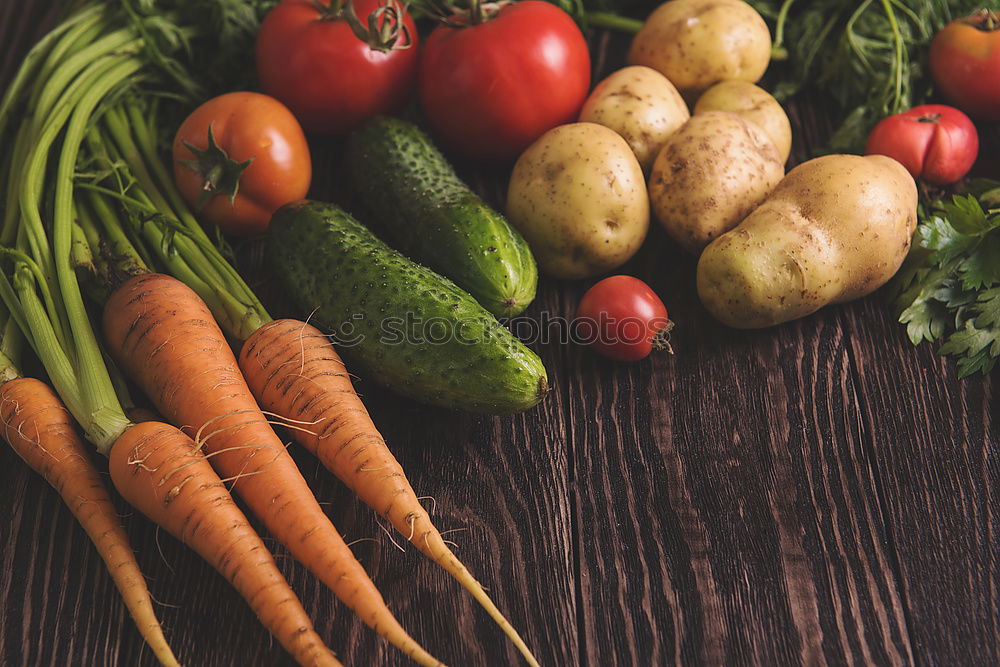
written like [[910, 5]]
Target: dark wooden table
[[819, 492]]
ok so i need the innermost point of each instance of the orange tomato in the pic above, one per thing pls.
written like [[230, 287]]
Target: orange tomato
[[965, 64], [238, 158]]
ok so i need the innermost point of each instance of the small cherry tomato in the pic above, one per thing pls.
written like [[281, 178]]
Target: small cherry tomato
[[491, 85], [622, 318], [965, 64], [936, 143], [337, 63], [238, 158]]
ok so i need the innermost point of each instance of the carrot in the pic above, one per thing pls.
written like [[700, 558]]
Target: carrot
[[161, 472], [164, 336], [295, 372], [41, 431], [156, 467]]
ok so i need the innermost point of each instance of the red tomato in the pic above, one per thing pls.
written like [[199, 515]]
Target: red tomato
[[622, 318], [934, 142], [965, 64], [257, 160], [489, 89], [310, 59]]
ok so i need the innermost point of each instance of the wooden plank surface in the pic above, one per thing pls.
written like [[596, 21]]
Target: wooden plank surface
[[819, 492]]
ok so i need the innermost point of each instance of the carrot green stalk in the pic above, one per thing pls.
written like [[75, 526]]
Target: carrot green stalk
[[292, 370], [165, 338], [37, 426]]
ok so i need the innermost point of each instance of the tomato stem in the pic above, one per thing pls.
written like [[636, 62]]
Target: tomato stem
[[220, 174], [385, 30], [985, 20], [613, 21], [477, 13]]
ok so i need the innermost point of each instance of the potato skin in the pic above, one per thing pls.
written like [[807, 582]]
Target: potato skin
[[835, 229], [578, 196], [696, 43], [709, 175], [641, 105], [753, 103]]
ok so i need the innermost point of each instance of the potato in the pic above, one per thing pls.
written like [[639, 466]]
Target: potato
[[640, 104], [710, 174], [836, 228], [578, 196], [696, 43], [753, 103]]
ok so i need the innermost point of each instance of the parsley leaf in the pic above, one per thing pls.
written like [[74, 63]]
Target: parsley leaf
[[982, 268], [949, 287], [966, 216]]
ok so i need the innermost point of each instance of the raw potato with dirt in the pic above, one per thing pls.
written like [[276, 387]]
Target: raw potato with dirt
[[710, 174], [640, 104], [578, 196], [835, 229], [696, 43], [753, 103]]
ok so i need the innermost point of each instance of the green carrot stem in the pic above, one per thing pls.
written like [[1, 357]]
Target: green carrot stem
[[124, 251], [11, 342], [34, 68], [118, 126], [32, 186], [51, 47], [21, 298], [105, 418], [80, 254], [146, 141], [14, 177], [68, 70]]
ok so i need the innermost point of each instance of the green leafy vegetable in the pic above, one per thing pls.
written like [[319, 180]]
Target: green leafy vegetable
[[949, 287], [870, 56]]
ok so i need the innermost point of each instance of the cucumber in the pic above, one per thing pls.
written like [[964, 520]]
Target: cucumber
[[403, 325], [434, 218]]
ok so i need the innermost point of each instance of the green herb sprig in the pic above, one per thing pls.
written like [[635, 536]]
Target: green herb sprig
[[949, 286], [869, 56]]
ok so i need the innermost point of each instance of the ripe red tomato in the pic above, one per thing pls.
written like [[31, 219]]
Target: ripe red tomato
[[965, 64], [309, 57], [934, 142], [489, 89], [622, 318], [238, 158]]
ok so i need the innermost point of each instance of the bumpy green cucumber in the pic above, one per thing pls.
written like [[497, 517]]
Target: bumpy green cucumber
[[434, 218], [403, 325]]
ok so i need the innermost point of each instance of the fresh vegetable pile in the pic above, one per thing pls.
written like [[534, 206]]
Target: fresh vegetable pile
[[109, 253]]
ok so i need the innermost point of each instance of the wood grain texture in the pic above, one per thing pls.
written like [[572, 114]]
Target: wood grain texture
[[817, 493]]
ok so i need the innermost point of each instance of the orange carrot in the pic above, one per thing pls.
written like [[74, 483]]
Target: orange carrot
[[295, 372], [161, 472], [38, 427], [164, 336]]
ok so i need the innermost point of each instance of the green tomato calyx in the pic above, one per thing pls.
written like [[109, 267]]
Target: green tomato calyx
[[219, 173]]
